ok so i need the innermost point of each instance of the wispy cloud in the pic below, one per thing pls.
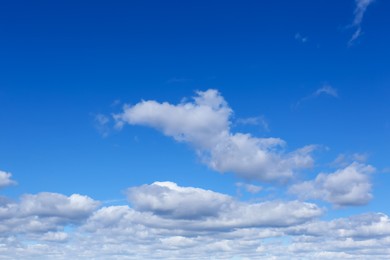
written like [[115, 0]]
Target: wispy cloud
[[360, 9], [300, 38], [325, 90], [258, 120], [249, 187], [101, 124], [177, 80], [343, 160]]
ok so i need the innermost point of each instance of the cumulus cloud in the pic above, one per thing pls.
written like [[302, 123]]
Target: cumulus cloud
[[361, 236], [47, 204], [5, 179], [205, 125], [215, 210], [216, 226], [167, 198], [117, 232], [349, 186], [360, 9], [44, 212]]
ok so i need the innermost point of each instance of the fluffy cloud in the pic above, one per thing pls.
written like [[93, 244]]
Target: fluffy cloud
[[5, 179], [44, 212], [205, 125], [116, 233], [166, 198], [214, 210], [361, 237], [345, 187], [216, 226], [47, 204]]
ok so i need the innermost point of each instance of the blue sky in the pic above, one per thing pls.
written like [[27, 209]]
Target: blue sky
[[222, 129]]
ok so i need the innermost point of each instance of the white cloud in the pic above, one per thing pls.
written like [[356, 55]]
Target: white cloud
[[157, 228], [327, 90], [194, 122], [259, 120], [360, 9], [55, 236], [166, 198], [44, 212], [101, 124], [214, 210], [47, 204], [5, 179], [342, 160], [117, 233], [345, 187], [205, 125], [249, 187]]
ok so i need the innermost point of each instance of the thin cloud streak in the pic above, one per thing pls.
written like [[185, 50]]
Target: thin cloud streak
[[326, 90], [360, 9]]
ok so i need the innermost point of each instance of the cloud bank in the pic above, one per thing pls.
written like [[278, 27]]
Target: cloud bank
[[168, 221]]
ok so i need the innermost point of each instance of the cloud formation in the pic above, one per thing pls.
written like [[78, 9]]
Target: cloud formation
[[325, 90], [258, 120], [249, 187], [300, 38], [168, 199], [157, 226], [5, 179], [215, 210], [349, 186], [360, 9], [101, 124], [205, 125], [44, 212]]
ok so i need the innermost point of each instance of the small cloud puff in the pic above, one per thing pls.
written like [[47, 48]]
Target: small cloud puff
[[349, 186], [6, 179], [300, 38]]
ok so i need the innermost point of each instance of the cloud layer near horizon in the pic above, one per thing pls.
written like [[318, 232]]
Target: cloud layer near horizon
[[167, 221]]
